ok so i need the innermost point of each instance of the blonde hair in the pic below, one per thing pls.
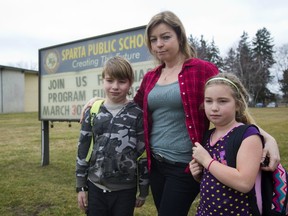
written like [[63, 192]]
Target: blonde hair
[[119, 68], [239, 94], [170, 19]]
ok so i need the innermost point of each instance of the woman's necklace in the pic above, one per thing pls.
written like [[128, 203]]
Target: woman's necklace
[[169, 73]]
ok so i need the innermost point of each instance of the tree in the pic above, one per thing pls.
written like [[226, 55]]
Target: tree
[[245, 63], [284, 85], [262, 48], [206, 51], [251, 63], [214, 55], [201, 47], [281, 68], [231, 62]]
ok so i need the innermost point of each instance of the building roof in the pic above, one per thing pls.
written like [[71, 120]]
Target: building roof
[[22, 70]]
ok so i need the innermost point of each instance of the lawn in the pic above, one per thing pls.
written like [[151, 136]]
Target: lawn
[[28, 189]]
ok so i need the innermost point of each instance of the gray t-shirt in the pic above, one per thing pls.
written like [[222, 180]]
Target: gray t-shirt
[[169, 135]]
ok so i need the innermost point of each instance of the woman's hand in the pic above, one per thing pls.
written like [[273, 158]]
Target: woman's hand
[[196, 170], [86, 106], [271, 151]]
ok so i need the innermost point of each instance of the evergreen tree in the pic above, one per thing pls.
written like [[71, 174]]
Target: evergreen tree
[[250, 61], [245, 63], [206, 51], [231, 62], [284, 85], [203, 49], [214, 56], [263, 61], [281, 68]]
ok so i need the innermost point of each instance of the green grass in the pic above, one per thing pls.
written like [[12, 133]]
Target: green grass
[[28, 189]]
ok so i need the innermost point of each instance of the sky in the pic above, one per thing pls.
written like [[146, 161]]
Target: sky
[[29, 25]]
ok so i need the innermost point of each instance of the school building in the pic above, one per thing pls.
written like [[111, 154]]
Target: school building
[[18, 90]]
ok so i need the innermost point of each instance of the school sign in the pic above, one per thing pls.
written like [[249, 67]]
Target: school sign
[[71, 73]]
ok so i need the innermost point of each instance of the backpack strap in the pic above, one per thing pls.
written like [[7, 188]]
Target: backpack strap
[[235, 139], [233, 144], [207, 136], [267, 187], [95, 109], [93, 112], [231, 148]]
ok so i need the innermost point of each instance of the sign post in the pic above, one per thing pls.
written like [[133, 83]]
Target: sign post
[[44, 143]]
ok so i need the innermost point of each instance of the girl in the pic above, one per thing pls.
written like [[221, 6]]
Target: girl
[[224, 189]]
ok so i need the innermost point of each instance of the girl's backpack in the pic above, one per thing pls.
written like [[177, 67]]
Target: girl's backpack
[[273, 184]]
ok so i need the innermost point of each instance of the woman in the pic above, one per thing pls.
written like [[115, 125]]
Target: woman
[[170, 96]]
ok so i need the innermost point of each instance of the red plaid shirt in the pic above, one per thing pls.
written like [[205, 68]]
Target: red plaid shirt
[[192, 78]]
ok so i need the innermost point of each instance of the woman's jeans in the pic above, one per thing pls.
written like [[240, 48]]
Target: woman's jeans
[[172, 188]]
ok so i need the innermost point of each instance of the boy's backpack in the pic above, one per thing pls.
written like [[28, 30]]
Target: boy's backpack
[[93, 112], [273, 184]]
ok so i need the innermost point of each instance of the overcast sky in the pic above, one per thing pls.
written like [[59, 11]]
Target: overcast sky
[[29, 25]]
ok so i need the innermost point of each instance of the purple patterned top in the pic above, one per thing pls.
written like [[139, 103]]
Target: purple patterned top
[[216, 198]]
